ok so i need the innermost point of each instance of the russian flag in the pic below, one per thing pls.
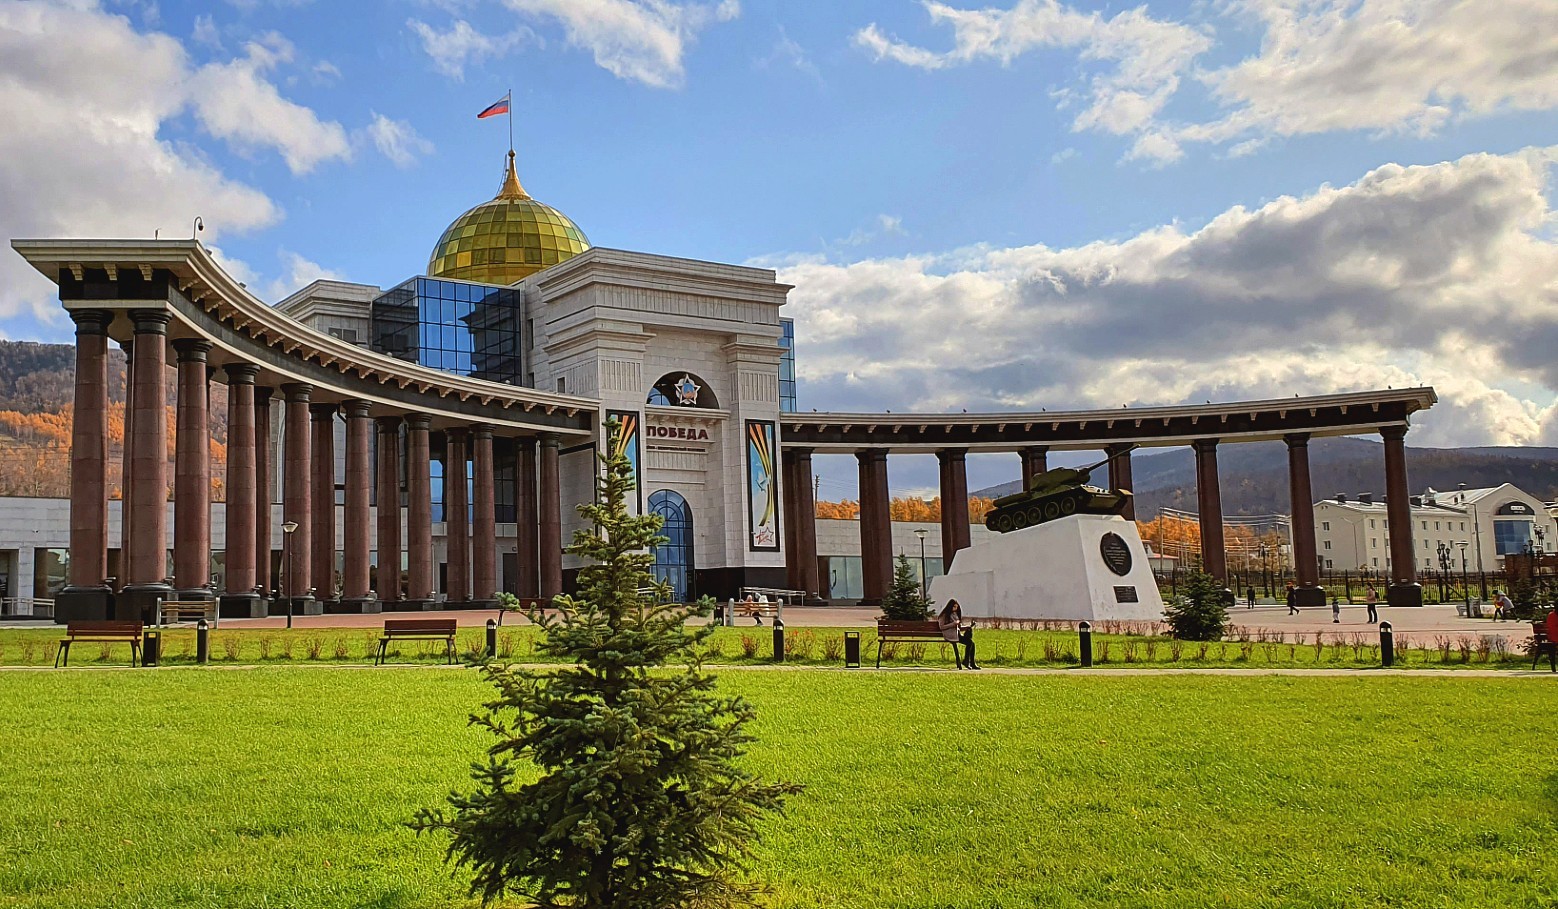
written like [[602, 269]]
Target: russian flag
[[497, 107]]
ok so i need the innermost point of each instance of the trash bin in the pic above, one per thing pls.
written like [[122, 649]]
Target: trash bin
[[719, 614], [851, 650], [151, 648]]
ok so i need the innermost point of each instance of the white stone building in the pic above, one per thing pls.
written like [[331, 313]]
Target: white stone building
[[1352, 532]]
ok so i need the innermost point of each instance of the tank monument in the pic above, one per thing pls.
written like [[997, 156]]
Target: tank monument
[[1063, 550]]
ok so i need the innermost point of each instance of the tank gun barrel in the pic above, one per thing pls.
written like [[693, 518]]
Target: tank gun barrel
[[1126, 450]]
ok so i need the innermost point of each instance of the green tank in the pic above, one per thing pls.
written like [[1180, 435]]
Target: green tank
[[1054, 494]]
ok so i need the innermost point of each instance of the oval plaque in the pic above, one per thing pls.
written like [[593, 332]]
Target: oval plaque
[[1117, 555]]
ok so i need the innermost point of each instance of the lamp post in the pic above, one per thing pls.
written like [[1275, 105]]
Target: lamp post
[[921, 532], [1444, 570], [287, 530], [1466, 587]]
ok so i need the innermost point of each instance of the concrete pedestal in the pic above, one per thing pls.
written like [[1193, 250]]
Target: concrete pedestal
[[411, 606], [354, 606], [241, 606], [1398, 594], [300, 606], [1083, 567], [138, 602], [83, 604], [1308, 596]]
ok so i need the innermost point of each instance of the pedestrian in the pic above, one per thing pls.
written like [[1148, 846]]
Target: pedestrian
[[1292, 600], [1503, 606], [956, 631], [1336, 609], [1372, 599], [1249, 598]]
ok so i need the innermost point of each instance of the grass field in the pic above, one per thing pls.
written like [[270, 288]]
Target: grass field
[[1501, 648], [289, 787]]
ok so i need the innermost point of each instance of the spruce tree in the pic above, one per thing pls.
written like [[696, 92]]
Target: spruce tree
[[903, 600], [640, 800], [1200, 613]]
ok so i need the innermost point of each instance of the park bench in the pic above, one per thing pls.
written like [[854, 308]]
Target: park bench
[[172, 611], [416, 630], [1540, 644], [102, 632], [757, 611], [908, 631]]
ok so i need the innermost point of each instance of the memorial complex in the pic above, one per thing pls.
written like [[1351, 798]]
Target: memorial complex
[[354, 412]]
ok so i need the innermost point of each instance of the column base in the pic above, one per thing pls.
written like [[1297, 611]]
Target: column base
[[241, 606], [1398, 594], [870, 601], [411, 606], [481, 604], [83, 604], [300, 606], [194, 593], [354, 606], [1309, 596], [138, 602], [455, 605]]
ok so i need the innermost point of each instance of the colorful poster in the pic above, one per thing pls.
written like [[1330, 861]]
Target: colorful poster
[[627, 442], [762, 485]]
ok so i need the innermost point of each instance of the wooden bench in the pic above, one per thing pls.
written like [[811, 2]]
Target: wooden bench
[[416, 630], [187, 611], [757, 611], [901, 631], [1540, 644], [102, 632]]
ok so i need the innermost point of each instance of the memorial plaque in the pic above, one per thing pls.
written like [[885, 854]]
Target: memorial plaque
[[1116, 553], [1125, 595]]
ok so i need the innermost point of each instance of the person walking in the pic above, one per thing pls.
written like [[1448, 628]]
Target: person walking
[[1249, 598], [1371, 599], [1503, 606], [1336, 609], [1292, 597]]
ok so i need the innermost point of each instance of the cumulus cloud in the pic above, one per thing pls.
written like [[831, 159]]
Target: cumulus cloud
[[297, 273], [461, 44], [1444, 275], [397, 141], [1323, 65]]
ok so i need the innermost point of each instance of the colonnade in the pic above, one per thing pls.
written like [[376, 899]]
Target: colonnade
[[309, 544], [876, 526]]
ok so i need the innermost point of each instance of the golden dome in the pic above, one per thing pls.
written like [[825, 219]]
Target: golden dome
[[509, 238]]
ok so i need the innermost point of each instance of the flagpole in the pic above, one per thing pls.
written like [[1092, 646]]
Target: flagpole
[[510, 97]]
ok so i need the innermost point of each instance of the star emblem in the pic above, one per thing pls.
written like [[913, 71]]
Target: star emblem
[[687, 391]]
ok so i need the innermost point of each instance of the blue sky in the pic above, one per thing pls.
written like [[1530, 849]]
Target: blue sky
[[1028, 204]]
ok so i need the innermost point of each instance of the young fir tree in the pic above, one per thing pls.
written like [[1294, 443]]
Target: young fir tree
[[640, 800], [1200, 612], [903, 600]]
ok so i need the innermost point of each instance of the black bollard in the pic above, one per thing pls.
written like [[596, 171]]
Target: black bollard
[[1387, 645], [202, 643], [778, 640], [492, 639], [1085, 634]]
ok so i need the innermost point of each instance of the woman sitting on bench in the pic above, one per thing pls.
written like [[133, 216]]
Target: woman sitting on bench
[[956, 631]]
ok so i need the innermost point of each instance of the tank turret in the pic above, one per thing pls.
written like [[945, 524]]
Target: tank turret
[[1055, 494]]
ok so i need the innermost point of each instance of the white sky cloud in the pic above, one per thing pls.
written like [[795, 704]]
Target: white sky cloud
[[397, 141], [1442, 275], [461, 44]]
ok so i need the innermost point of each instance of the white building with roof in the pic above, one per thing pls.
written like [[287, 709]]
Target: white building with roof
[[1477, 526]]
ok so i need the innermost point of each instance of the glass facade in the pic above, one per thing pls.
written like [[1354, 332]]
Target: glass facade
[[842, 576], [1511, 537], [457, 326], [674, 560], [787, 366]]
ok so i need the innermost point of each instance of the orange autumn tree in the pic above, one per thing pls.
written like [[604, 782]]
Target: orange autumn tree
[[904, 508]]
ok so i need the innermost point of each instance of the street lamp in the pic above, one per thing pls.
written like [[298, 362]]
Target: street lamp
[[1265, 568], [1445, 550], [921, 532], [287, 530], [1467, 587]]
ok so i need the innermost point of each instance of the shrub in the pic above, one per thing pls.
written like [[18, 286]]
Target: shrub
[[833, 647], [1200, 612]]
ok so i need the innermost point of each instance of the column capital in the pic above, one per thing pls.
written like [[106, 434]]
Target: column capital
[[418, 421], [457, 432], [297, 392], [481, 431], [151, 321], [262, 394], [550, 442], [388, 426], [1204, 445], [192, 350], [799, 454], [323, 411], [871, 454], [1393, 433], [1297, 439], [356, 408], [91, 321], [241, 373], [945, 455]]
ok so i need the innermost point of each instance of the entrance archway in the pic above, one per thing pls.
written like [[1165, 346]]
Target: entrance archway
[[673, 561]]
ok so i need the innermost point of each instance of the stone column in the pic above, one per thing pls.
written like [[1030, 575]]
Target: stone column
[[876, 527], [126, 471], [148, 537], [322, 480], [955, 532], [192, 474], [484, 522], [388, 494], [241, 601], [1404, 589], [457, 517], [1307, 591], [87, 595], [262, 491], [1209, 498], [1120, 475], [1035, 460], [549, 559], [356, 596], [527, 518], [792, 565], [297, 506], [419, 514]]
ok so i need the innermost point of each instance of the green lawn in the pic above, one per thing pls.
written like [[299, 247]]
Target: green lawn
[[289, 786]]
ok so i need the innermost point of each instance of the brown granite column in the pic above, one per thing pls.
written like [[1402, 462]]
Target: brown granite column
[[457, 518], [876, 527], [322, 482], [803, 492], [388, 495], [192, 474], [955, 532], [1120, 476], [1035, 460], [262, 492], [297, 508], [126, 472], [148, 537], [550, 541], [240, 600], [1209, 498], [791, 504], [87, 595], [356, 595], [419, 514], [1404, 589], [1307, 591], [484, 522], [527, 518]]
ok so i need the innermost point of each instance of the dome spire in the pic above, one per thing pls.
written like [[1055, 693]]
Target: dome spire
[[511, 188]]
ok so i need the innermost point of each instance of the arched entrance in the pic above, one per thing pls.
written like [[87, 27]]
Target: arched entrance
[[673, 561]]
